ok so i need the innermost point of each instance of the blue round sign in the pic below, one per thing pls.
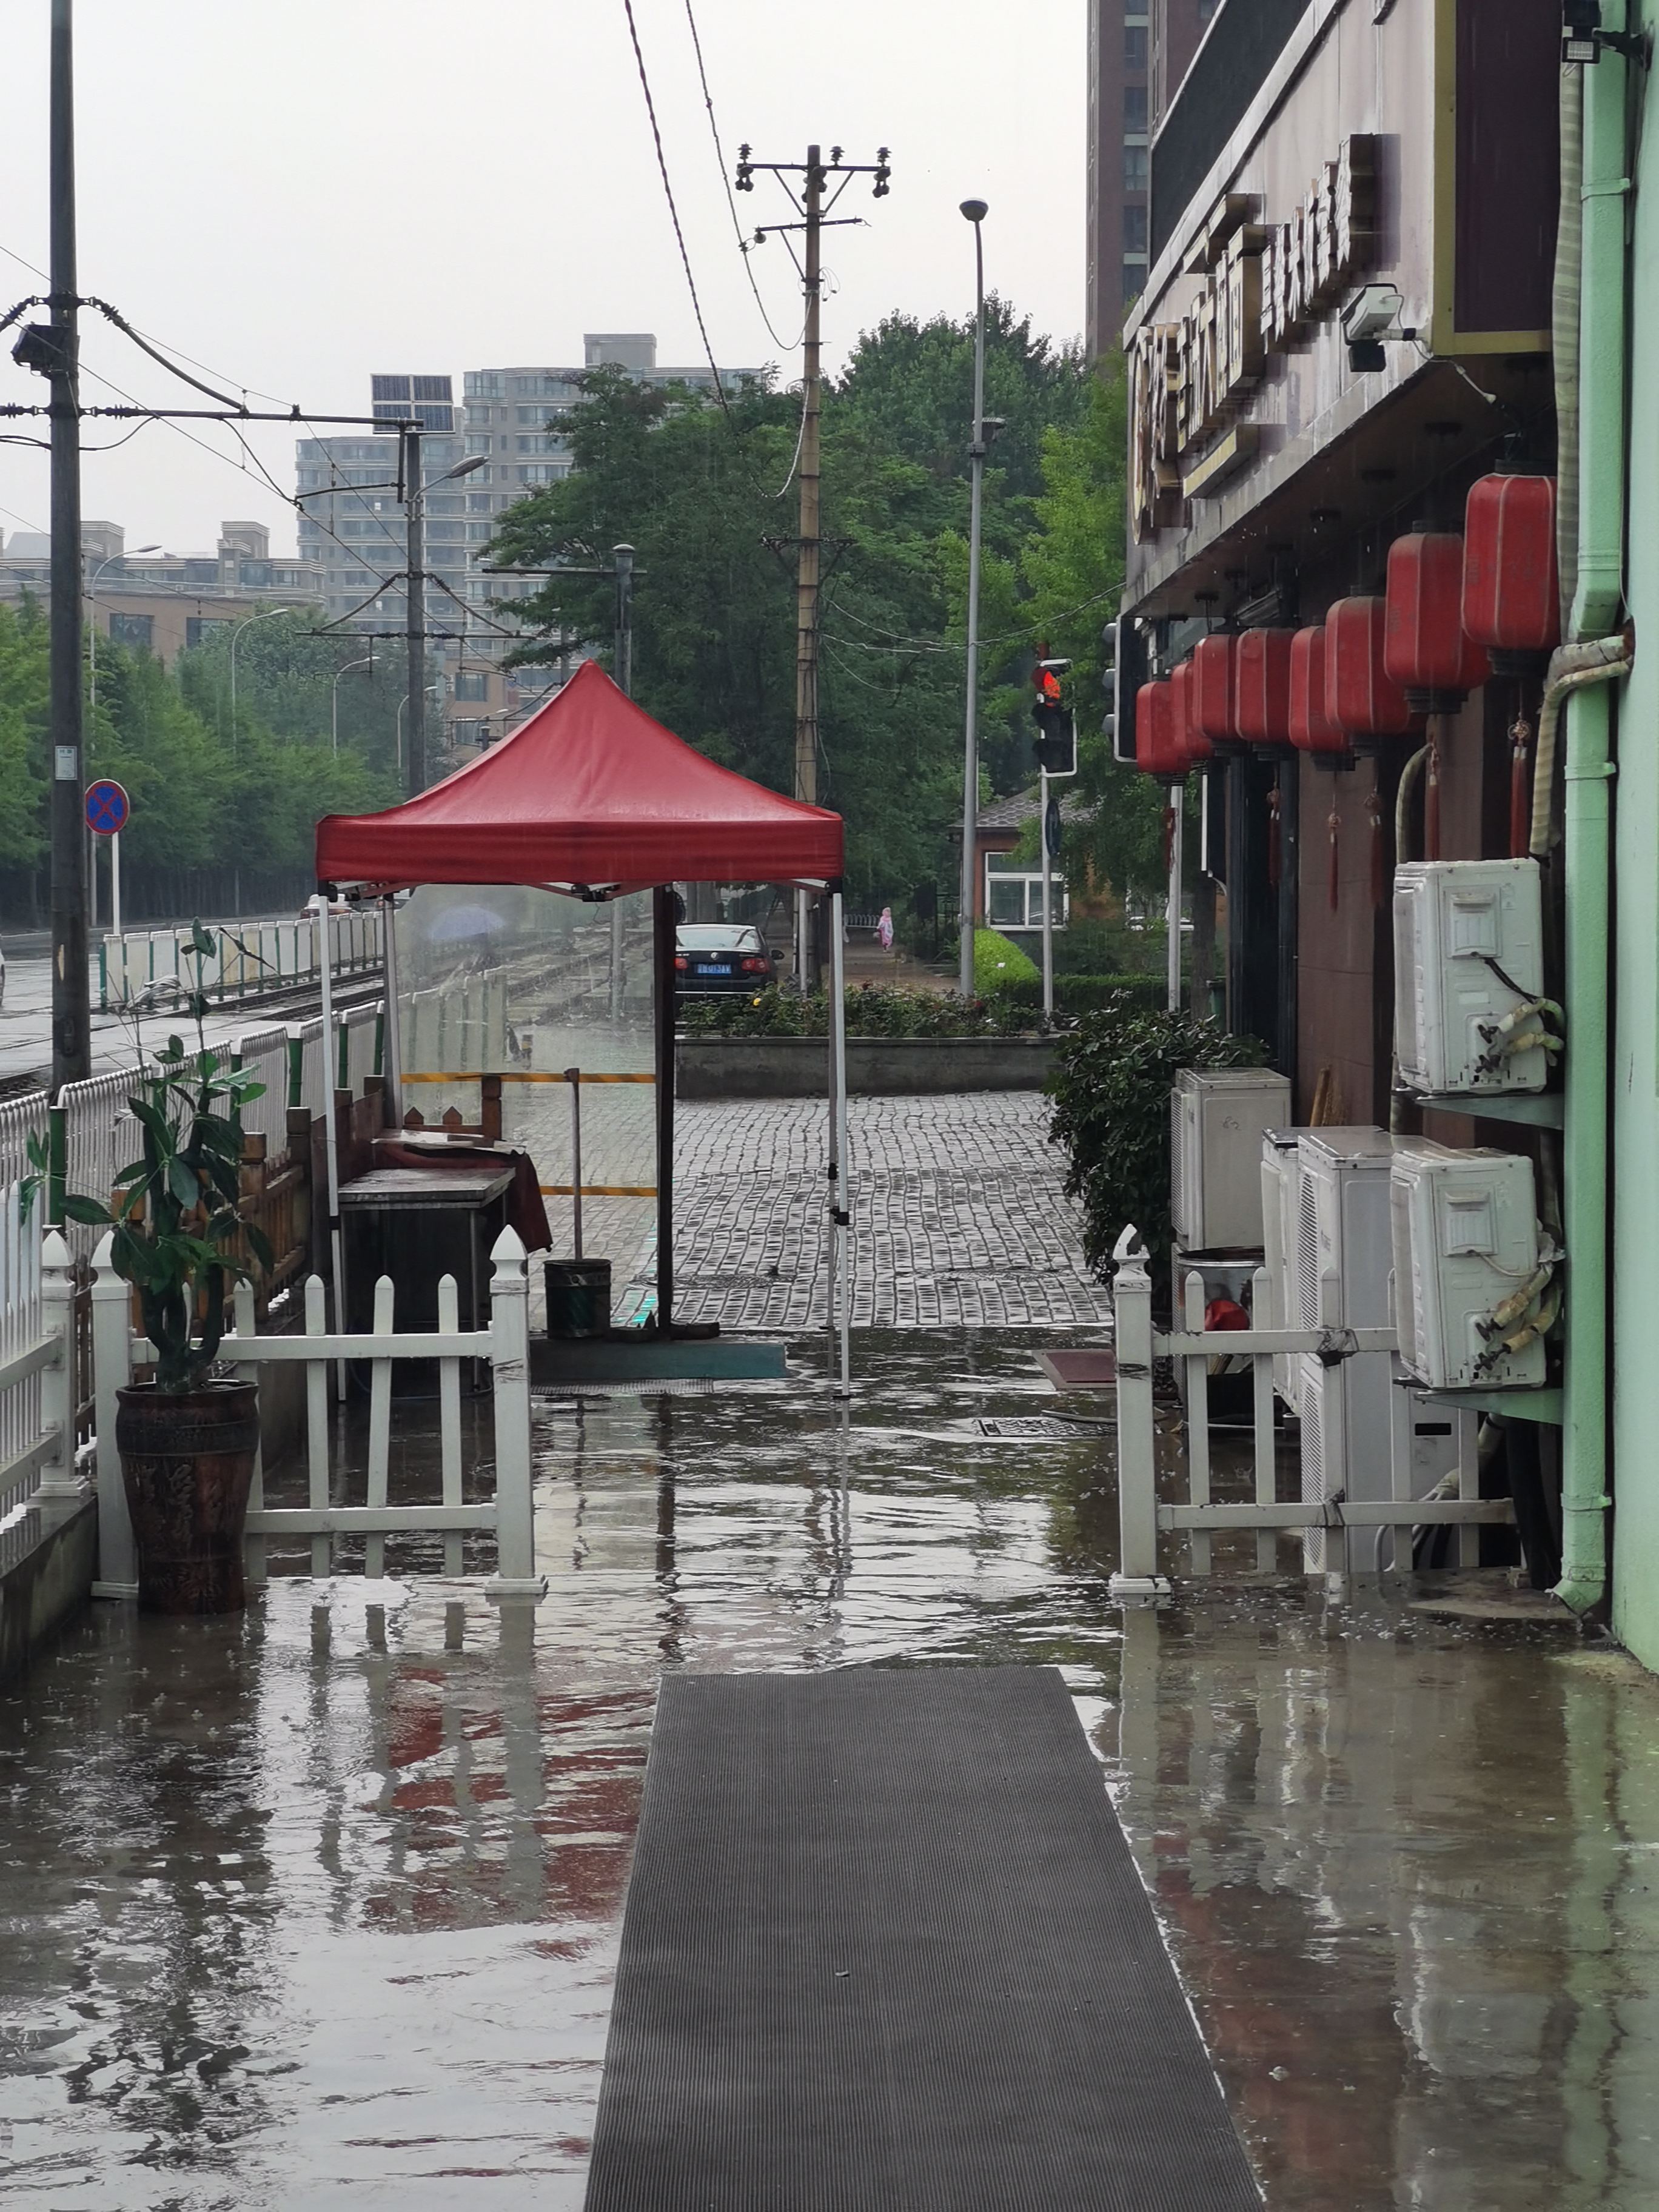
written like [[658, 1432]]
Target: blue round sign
[[107, 807]]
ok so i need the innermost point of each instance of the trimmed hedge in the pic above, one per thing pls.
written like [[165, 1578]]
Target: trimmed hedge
[[998, 962]]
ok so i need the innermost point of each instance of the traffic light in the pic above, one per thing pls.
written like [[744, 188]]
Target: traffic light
[[1055, 743]]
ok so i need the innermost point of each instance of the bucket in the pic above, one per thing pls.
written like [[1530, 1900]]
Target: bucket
[[578, 1298]]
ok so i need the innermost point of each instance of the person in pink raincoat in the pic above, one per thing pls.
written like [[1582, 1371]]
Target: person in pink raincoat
[[885, 929]]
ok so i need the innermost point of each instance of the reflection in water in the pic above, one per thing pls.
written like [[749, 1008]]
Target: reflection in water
[[319, 1908]]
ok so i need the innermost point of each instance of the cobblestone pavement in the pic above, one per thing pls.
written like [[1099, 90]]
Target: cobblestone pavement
[[959, 1218]]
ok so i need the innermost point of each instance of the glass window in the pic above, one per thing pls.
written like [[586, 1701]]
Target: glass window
[[481, 502], [480, 533], [1135, 281], [484, 384], [1134, 107], [1134, 45], [1134, 226], [1005, 902], [200, 628], [138, 631], [1134, 168], [477, 445], [472, 683], [201, 571]]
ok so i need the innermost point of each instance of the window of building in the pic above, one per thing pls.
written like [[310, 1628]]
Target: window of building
[[1134, 46], [200, 628], [445, 503], [138, 631], [1134, 168], [472, 684], [201, 571], [253, 575], [483, 383], [1134, 107], [482, 502], [543, 473], [480, 533], [540, 442], [1134, 226], [1134, 280], [475, 444]]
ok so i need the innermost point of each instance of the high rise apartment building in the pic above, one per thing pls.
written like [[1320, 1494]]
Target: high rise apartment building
[[1138, 51], [514, 422]]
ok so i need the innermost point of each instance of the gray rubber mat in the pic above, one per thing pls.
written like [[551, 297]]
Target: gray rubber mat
[[885, 1950]]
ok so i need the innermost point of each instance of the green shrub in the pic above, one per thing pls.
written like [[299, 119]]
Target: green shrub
[[1087, 994], [871, 1011], [1111, 1088], [998, 963]]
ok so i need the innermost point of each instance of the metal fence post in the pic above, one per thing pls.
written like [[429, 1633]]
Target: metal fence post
[[58, 1478], [515, 1572], [1137, 1461], [112, 1371]]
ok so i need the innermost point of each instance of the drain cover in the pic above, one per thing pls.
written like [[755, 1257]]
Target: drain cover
[[1030, 1426]]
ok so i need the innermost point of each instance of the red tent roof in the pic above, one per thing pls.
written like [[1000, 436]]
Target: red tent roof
[[590, 792]]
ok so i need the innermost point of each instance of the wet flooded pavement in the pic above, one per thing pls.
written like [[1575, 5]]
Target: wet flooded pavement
[[319, 1907]]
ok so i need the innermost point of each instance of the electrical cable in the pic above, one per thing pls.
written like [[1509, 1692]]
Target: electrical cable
[[788, 345]]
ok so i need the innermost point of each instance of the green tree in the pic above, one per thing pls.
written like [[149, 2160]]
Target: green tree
[[24, 695]]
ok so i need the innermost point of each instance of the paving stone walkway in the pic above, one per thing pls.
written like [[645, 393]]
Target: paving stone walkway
[[959, 1217]]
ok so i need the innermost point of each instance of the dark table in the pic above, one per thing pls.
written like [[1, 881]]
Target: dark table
[[417, 1224]]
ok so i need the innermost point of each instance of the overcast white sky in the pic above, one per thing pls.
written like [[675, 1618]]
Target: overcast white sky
[[300, 193]]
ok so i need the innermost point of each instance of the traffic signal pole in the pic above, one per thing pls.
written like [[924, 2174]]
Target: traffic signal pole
[[71, 1005]]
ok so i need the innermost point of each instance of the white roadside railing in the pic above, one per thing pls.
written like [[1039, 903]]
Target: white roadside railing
[[37, 1339], [505, 1345], [1142, 1517], [248, 960], [21, 1118]]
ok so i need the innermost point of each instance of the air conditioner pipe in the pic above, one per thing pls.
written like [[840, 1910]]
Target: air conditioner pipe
[[1598, 313]]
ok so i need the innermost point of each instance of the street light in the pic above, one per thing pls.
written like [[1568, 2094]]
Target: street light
[[368, 661], [402, 703], [92, 597], [264, 614], [975, 211]]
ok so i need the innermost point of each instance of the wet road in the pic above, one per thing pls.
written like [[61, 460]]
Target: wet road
[[319, 1908]]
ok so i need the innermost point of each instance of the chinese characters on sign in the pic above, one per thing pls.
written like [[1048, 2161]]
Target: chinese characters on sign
[[1264, 286]]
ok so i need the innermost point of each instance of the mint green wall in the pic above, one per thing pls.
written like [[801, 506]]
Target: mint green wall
[[1635, 1071]]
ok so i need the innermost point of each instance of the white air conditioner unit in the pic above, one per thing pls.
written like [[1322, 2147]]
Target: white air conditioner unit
[[1349, 1448], [1469, 952], [1342, 1242], [1280, 1184], [1217, 1118], [1467, 1266]]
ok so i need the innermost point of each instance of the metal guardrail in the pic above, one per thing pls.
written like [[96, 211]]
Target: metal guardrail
[[249, 960]]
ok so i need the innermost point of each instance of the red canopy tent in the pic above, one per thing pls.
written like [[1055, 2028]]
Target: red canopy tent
[[592, 798]]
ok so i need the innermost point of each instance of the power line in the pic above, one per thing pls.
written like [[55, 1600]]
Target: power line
[[788, 345]]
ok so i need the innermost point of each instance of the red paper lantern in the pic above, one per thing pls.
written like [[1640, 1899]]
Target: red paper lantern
[[1159, 747], [1511, 585], [1195, 745], [1427, 651], [1214, 660], [1312, 731], [1361, 698], [1262, 686]]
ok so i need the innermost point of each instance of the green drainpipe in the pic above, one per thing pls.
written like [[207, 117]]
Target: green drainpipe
[[1595, 612]]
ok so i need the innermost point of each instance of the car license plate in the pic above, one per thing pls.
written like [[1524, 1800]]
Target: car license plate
[[705, 968]]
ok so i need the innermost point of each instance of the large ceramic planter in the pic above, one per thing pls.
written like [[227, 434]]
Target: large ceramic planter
[[187, 1463]]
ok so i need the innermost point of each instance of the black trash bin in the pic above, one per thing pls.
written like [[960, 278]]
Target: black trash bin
[[578, 1298]]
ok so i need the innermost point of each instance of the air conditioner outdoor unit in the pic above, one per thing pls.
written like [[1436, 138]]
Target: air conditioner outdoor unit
[[1468, 956], [1342, 1242], [1348, 1447], [1467, 1269], [1217, 1118], [1280, 1183]]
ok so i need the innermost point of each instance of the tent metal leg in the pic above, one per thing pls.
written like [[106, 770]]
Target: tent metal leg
[[663, 948], [840, 1219], [392, 1056]]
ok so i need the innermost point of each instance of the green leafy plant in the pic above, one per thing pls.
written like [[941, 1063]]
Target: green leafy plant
[[871, 1011], [1111, 1088], [997, 961], [178, 1212]]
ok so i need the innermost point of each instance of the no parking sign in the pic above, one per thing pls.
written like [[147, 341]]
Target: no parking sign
[[107, 807]]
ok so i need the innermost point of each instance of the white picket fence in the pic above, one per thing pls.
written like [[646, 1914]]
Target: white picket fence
[[249, 959], [37, 1448], [264, 1054], [1143, 1517], [505, 1345]]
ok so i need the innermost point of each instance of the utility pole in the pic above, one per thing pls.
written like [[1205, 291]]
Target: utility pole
[[414, 623], [623, 558], [815, 174], [71, 1011], [975, 211]]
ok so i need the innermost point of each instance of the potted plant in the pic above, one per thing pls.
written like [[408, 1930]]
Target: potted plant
[[188, 1438]]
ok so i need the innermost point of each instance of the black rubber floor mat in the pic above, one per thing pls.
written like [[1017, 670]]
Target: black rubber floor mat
[[885, 1950]]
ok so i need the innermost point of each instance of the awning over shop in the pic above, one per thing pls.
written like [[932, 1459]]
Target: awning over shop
[[590, 795]]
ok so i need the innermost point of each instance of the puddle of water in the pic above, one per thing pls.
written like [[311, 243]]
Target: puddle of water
[[319, 1908]]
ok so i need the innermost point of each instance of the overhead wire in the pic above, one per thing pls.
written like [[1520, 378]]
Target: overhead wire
[[788, 345]]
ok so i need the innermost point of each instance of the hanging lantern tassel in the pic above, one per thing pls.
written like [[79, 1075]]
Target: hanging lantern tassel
[[1432, 799], [1273, 837], [1374, 815], [1520, 788], [1333, 886]]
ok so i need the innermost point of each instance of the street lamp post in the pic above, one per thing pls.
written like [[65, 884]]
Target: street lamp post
[[92, 599], [264, 614], [402, 703], [368, 661], [975, 212], [415, 599]]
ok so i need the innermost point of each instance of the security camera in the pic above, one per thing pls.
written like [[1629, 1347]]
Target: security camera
[[1373, 313]]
